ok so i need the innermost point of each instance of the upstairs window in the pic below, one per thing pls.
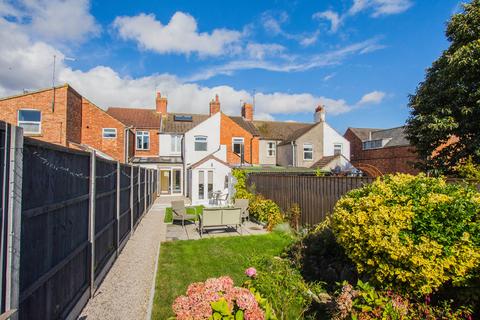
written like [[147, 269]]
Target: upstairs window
[[200, 143], [372, 144], [109, 133], [143, 140], [237, 145], [307, 151], [30, 121], [337, 149], [176, 144], [271, 149]]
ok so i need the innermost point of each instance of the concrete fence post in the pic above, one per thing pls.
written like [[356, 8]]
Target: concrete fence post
[[118, 205], [14, 214], [91, 218]]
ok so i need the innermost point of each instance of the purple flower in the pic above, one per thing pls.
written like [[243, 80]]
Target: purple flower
[[251, 272]]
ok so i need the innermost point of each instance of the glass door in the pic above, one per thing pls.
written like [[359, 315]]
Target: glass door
[[177, 181], [165, 187]]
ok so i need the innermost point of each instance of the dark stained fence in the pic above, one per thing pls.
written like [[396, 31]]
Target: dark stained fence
[[62, 261], [316, 196]]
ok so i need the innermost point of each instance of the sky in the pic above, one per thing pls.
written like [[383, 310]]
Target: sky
[[359, 58]]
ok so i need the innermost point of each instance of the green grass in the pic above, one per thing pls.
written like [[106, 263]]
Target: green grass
[[183, 262], [169, 214]]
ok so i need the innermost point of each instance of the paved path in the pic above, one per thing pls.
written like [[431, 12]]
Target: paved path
[[125, 291]]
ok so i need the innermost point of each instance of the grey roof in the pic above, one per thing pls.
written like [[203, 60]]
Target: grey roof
[[324, 161], [161, 159], [297, 134], [247, 125], [276, 130], [170, 125], [397, 135]]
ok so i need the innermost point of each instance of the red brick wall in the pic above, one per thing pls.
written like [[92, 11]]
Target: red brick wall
[[94, 120], [385, 160], [154, 143], [74, 116], [230, 129], [54, 122]]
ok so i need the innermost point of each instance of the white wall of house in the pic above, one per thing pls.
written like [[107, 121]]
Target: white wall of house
[[219, 173], [332, 137], [166, 145]]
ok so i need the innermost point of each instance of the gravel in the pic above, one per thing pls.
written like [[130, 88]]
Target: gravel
[[126, 290]]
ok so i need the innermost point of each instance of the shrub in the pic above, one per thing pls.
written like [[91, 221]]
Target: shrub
[[411, 233], [283, 287], [241, 191], [217, 298], [293, 216], [265, 210], [468, 170]]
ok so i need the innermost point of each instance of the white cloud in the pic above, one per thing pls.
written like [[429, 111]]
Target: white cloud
[[180, 35], [380, 7], [53, 20], [333, 17], [260, 51], [272, 23], [374, 97]]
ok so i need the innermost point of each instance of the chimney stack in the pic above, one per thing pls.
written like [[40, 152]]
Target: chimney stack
[[319, 114], [161, 104], [247, 111], [214, 105]]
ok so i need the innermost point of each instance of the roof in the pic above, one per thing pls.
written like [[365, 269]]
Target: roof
[[28, 92], [161, 159], [210, 157], [174, 126], [396, 135], [324, 161], [276, 130], [139, 118], [246, 125], [298, 133]]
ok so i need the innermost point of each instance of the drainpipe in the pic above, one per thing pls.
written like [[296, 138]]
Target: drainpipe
[[293, 154], [126, 136]]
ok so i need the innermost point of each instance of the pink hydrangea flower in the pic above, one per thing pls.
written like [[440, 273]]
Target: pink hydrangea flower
[[251, 272]]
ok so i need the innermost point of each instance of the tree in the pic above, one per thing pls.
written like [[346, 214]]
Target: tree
[[447, 103]]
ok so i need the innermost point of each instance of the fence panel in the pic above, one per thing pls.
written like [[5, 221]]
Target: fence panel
[[141, 199], [54, 260], [136, 199], [316, 196], [105, 213], [4, 146], [125, 212]]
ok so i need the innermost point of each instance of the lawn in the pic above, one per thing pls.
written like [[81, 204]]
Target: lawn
[[190, 210], [183, 262]]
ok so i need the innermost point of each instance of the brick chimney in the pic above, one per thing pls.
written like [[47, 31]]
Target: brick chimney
[[247, 111], [214, 105], [319, 114], [161, 104]]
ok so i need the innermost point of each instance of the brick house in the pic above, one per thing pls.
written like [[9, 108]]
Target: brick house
[[381, 151], [62, 116]]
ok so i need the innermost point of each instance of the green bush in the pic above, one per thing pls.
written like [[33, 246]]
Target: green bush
[[284, 288], [411, 233]]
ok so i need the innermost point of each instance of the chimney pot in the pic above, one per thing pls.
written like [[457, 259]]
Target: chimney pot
[[319, 114], [161, 104], [247, 111], [215, 105]]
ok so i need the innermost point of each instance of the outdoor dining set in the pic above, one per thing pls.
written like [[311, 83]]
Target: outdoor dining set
[[220, 216]]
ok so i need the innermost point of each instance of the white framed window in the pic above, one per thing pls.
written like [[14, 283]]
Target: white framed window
[[176, 144], [201, 185], [109, 132], [237, 145], [307, 151], [271, 149], [337, 149], [201, 143], [372, 144], [143, 140], [30, 120]]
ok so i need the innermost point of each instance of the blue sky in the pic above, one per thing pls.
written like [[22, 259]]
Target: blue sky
[[361, 58]]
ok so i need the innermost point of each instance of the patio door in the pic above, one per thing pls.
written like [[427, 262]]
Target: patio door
[[165, 187]]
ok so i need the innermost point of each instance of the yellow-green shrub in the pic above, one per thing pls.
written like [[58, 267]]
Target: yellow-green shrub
[[412, 233]]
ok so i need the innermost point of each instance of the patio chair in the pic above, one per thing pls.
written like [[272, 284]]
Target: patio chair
[[210, 217], [222, 198], [180, 212], [243, 205]]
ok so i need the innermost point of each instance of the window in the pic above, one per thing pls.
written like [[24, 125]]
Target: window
[[109, 133], [30, 121], [225, 184], [337, 149], [307, 151], [271, 149], [210, 183], [201, 185], [177, 178], [237, 145], [176, 144], [143, 140], [200, 143], [372, 144]]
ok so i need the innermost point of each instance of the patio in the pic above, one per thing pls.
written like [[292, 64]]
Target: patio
[[175, 231]]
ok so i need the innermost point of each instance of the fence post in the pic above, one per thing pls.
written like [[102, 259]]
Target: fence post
[[145, 193], [91, 217], [14, 215], [118, 206], [131, 200]]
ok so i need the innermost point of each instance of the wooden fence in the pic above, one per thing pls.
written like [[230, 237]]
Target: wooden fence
[[76, 213], [316, 196]]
